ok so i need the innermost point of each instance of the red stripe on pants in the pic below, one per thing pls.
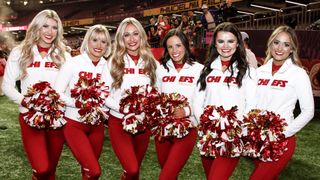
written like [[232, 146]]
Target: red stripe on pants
[[130, 149], [43, 149], [271, 170], [174, 153], [86, 143]]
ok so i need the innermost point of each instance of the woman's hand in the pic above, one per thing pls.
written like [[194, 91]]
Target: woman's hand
[[179, 113]]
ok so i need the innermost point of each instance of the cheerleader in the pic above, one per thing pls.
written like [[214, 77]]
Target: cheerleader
[[84, 135], [38, 58], [281, 83], [132, 64], [178, 73], [227, 81]]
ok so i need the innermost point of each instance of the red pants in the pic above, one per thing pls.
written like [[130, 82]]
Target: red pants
[[85, 142], [219, 168], [43, 149], [173, 154], [130, 149], [271, 170]]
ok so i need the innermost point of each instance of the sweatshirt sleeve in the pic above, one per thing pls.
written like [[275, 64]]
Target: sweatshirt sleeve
[[250, 90], [107, 79], [198, 102], [11, 75], [306, 102], [63, 79]]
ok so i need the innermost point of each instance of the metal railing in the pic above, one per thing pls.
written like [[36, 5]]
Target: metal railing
[[298, 16]]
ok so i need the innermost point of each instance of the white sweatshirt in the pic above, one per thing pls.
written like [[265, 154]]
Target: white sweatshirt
[[42, 69], [133, 76], [183, 82], [71, 71], [280, 92], [218, 93]]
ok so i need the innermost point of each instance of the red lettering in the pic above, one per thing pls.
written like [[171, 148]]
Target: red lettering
[[141, 71], [35, 64], [279, 83], [168, 78], [98, 76], [49, 64], [283, 83], [232, 80], [83, 74], [263, 82], [128, 71], [213, 79], [188, 79]]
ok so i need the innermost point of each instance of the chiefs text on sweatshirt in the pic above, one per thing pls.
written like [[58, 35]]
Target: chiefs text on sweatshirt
[[183, 82], [41, 69], [280, 92], [71, 71], [218, 92], [133, 76]]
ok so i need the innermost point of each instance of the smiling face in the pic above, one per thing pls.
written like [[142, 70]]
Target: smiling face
[[48, 33], [97, 46], [176, 49], [226, 45], [131, 38], [281, 47]]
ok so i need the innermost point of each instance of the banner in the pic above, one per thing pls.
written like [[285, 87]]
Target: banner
[[13, 28], [78, 22]]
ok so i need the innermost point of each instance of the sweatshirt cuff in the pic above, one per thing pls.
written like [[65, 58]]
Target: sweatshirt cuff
[[187, 110]]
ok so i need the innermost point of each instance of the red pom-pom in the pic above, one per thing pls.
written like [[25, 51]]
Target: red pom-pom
[[139, 106], [220, 132], [46, 110], [90, 95], [164, 124], [263, 135]]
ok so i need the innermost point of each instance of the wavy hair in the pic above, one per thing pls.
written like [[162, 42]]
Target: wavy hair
[[119, 51], [188, 56], [293, 42], [93, 32], [32, 38], [238, 57]]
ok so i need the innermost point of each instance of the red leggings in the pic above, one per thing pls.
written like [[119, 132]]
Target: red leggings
[[86, 142], [130, 149], [219, 168], [173, 154], [43, 149], [271, 170]]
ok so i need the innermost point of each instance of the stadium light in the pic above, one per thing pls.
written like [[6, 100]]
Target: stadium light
[[296, 3], [245, 12], [263, 7]]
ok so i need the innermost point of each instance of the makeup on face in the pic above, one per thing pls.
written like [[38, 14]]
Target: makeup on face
[[176, 49], [226, 45], [281, 48], [48, 33], [132, 38], [97, 46]]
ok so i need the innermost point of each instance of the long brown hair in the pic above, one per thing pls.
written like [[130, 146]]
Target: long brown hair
[[239, 55]]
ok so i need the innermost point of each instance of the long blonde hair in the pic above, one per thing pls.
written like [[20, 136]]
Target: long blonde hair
[[119, 52], [93, 32], [33, 37], [293, 43]]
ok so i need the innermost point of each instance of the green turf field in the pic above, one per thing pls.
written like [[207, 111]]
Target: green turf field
[[305, 163]]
